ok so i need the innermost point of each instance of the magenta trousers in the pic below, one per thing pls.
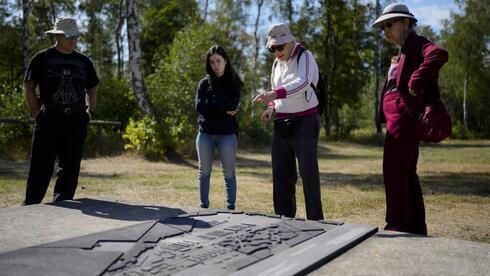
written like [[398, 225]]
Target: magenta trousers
[[405, 210]]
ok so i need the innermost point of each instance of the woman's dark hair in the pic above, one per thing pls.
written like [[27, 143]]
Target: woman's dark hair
[[230, 76], [411, 23]]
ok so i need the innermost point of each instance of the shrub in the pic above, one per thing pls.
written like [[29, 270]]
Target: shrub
[[115, 100], [103, 141], [150, 137], [173, 85], [460, 132], [14, 138]]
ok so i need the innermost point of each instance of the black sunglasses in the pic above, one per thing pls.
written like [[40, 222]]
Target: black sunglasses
[[71, 37], [389, 24], [275, 48]]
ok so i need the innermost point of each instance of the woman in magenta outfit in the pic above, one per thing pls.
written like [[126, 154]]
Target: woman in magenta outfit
[[412, 81]]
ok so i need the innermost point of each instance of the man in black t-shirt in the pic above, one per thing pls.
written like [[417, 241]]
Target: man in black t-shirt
[[67, 88]]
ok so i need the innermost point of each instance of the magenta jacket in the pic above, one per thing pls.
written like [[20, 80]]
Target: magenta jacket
[[420, 62]]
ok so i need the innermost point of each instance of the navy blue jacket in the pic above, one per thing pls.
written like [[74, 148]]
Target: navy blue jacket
[[212, 104]]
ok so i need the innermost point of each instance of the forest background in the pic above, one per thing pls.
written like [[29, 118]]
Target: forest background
[[150, 55]]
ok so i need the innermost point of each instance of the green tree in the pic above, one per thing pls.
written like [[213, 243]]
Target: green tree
[[3, 12], [173, 85], [11, 55], [284, 9], [344, 57], [98, 39], [229, 19], [466, 77], [161, 20], [428, 32]]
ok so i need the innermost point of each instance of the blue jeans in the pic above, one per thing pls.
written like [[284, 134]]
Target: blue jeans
[[227, 147]]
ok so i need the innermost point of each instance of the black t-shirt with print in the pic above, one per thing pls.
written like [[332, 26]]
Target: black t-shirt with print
[[63, 79]]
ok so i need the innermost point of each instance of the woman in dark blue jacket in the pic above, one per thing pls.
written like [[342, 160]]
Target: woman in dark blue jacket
[[217, 101]]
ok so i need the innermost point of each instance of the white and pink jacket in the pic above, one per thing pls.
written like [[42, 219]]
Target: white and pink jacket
[[291, 80]]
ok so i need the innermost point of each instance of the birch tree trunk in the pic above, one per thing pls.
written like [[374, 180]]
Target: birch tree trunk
[[25, 32], [205, 11], [290, 9], [465, 88], [53, 12], [256, 54], [329, 109], [134, 48], [119, 49], [465, 95]]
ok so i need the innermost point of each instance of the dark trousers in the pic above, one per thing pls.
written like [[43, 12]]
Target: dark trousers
[[301, 145], [56, 135], [405, 210]]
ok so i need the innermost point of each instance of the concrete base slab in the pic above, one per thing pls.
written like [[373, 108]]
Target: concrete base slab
[[394, 253], [386, 253], [38, 224]]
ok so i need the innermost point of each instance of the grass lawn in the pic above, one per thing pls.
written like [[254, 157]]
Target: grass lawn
[[455, 178]]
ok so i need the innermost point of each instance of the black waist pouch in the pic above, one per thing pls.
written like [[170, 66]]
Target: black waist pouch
[[287, 126]]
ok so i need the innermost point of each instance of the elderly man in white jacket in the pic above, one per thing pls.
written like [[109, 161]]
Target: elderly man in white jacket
[[293, 105]]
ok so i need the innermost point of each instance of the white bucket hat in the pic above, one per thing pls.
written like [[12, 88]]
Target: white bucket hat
[[279, 34], [391, 11], [65, 26]]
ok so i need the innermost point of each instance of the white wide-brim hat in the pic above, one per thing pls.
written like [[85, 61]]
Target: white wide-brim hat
[[65, 26], [391, 11], [279, 34]]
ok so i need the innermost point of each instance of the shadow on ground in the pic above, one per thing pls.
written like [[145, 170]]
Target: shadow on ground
[[365, 182], [118, 210], [243, 162], [457, 183], [448, 146], [326, 153], [14, 169], [19, 171], [323, 153], [442, 183], [391, 235]]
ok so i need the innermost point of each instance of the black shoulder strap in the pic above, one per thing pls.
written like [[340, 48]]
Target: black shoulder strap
[[301, 51]]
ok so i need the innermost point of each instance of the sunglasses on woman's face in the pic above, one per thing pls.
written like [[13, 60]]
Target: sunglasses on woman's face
[[71, 37], [389, 24], [275, 48]]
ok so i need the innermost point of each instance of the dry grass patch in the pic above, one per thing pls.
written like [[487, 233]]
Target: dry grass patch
[[455, 177]]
